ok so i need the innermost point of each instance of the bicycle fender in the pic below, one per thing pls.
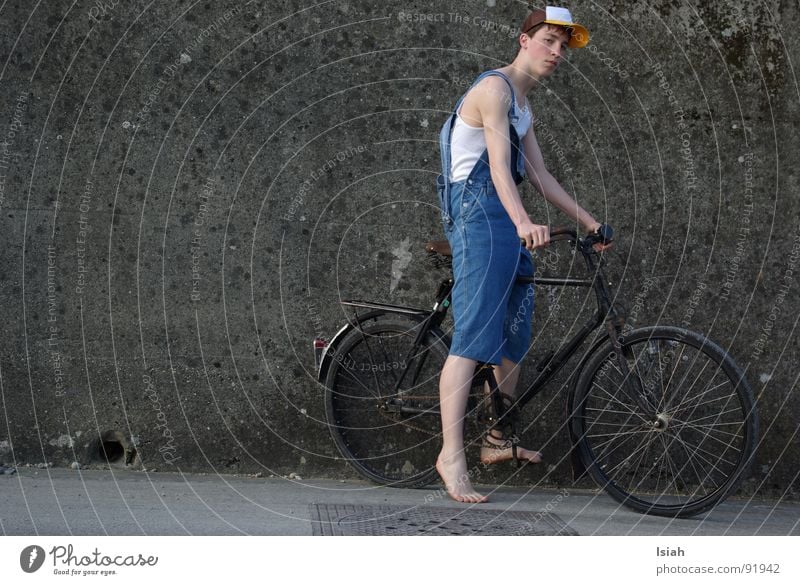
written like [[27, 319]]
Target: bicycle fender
[[329, 353], [578, 468], [327, 356]]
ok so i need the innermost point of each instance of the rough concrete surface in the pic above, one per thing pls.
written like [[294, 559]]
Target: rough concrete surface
[[66, 502], [189, 189]]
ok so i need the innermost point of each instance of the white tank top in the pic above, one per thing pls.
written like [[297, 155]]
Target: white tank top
[[468, 142]]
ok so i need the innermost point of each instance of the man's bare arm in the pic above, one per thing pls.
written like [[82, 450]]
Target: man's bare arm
[[493, 103], [547, 185]]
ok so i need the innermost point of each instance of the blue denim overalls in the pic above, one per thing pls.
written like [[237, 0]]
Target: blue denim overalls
[[492, 314]]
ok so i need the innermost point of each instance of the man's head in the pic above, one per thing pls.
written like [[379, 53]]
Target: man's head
[[561, 18], [544, 37]]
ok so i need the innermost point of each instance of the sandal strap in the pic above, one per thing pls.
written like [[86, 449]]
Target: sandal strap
[[505, 442]]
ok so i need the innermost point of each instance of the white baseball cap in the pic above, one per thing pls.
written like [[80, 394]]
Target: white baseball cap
[[578, 34]]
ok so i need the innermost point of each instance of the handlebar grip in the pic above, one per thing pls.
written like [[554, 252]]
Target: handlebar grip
[[563, 230], [558, 234]]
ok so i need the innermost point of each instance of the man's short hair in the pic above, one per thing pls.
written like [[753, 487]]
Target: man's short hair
[[531, 32]]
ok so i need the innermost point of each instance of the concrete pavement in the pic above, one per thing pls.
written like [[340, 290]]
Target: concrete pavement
[[90, 502]]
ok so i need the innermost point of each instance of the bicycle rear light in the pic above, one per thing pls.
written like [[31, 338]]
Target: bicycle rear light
[[319, 348]]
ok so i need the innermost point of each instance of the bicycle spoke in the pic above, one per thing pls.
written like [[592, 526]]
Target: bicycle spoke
[[716, 414], [690, 460], [681, 424], [682, 404], [357, 379], [698, 449], [686, 457], [597, 435], [388, 366], [677, 363], [608, 453], [670, 465], [709, 476], [711, 437], [606, 423], [610, 411], [689, 370], [700, 373], [612, 397], [707, 402], [641, 460], [641, 377], [627, 460]]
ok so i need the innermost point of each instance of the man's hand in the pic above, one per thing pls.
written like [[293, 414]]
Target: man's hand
[[599, 246], [535, 236]]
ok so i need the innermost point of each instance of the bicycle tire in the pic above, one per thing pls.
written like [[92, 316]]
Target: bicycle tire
[[701, 440], [387, 447]]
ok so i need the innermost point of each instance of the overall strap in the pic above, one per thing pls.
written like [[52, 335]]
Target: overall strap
[[512, 112]]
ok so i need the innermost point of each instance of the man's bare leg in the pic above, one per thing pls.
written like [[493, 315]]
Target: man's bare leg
[[454, 385], [507, 376]]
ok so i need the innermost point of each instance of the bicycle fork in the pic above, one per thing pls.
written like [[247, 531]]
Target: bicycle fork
[[631, 384]]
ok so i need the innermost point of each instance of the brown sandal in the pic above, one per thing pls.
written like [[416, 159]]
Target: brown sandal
[[510, 442]]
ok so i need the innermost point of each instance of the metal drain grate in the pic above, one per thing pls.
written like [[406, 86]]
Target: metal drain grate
[[347, 519]]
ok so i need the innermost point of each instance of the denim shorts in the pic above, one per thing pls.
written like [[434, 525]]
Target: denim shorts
[[492, 314]]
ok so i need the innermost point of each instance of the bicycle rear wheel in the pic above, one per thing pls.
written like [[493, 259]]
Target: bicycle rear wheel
[[698, 442], [382, 401]]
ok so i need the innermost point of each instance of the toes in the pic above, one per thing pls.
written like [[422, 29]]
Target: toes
[[474, 498], [534, 456]]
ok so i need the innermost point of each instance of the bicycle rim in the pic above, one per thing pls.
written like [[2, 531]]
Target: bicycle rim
[[390, 434], [693, 449]]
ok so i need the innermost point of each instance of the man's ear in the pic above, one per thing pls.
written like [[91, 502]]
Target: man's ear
[[523, 40]]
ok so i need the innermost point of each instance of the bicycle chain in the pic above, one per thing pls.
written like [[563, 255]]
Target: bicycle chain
[[384, 414]]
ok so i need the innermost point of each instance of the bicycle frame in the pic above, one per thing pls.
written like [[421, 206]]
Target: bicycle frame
[[553, 361]]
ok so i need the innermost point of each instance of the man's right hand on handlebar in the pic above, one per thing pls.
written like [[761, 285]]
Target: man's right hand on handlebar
[[534, 235]]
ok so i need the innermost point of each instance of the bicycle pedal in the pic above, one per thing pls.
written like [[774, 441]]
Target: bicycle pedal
[[394, 405]]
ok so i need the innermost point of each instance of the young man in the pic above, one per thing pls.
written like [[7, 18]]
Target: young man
[[487, 146]]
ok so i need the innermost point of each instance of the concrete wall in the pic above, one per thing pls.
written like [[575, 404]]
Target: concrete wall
[[188, 189]]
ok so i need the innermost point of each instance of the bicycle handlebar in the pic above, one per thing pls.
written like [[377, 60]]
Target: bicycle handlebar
[[563, 232], [603, 235]]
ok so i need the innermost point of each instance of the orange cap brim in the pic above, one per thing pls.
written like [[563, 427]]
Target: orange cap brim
[[580, 34]]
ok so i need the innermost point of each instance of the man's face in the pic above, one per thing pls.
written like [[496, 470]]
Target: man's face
[[545, 49]]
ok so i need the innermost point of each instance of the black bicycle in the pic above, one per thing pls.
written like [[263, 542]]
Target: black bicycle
[[660, 417]]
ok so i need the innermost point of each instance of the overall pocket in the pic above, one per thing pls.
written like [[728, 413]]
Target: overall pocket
[[473, 202]]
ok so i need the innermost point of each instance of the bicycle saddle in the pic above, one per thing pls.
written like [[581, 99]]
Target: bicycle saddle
[[440, 247]]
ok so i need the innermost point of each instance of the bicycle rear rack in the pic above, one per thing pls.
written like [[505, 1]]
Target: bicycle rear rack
[[386, 307]]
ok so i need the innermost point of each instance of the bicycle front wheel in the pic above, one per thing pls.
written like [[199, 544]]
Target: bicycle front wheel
[[382, 401], [692, 445]]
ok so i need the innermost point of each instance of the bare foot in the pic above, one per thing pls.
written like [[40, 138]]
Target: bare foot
[[453, 471], [502, 452]]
